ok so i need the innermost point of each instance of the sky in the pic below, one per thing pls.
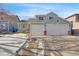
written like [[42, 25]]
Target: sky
[[29, 10]]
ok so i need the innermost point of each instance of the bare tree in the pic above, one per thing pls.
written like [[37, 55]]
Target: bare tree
[[3, 9]]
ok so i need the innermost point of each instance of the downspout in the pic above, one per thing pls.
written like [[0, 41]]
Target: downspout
[[45, 32]]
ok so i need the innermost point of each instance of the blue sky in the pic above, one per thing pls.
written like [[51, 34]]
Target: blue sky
[[29, 10]]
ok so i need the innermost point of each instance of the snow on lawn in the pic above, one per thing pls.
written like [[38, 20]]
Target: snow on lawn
[[10, 43]]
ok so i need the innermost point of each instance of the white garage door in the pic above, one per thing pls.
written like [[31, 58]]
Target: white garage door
[[57, 29], [37, 29]]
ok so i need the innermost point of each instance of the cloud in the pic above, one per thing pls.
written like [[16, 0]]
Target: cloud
[[34, 9], [29, 10]]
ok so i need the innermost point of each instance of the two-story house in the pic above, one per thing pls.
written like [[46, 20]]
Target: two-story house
[[8, 23], [74, 19], [50, 24]]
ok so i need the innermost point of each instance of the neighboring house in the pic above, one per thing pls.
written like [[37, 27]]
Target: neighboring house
[[50, 24], [3, 26], [23, 26], [74, 19], [8, 23]]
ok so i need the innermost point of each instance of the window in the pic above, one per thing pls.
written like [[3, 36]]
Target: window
[[41, 18], [23, 25], [57, 20], [50, 18]]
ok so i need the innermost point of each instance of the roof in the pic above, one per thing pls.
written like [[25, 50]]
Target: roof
[[47, 14], [9, 17], [23, 21], [52, 13], [71, 16]]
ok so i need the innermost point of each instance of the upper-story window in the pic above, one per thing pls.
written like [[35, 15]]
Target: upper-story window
[[57, 20], [41, 18], [50, 18]]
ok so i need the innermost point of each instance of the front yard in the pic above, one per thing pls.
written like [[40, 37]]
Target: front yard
[[52, 46], [38, 46], [10, 43]]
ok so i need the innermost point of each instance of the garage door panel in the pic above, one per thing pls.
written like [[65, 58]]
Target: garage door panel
[[37, 29], [57, 29]]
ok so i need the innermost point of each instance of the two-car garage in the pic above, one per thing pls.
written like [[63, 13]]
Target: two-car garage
[[51, 29]]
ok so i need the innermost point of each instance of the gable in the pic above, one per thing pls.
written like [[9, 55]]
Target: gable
[[55, 18], [50, 18], [52, 13]]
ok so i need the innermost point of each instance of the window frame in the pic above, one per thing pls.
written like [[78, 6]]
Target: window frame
[[41, 18], [50, 17]]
